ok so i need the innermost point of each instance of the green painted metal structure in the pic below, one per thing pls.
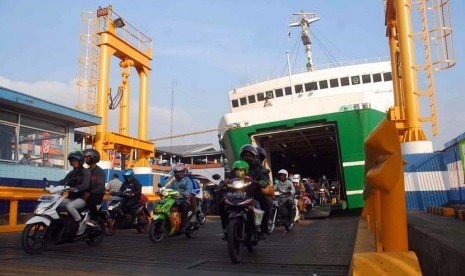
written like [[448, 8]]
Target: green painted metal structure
[[353, 127]]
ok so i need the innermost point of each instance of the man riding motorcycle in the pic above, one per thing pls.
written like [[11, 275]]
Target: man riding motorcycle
[[240, 170], [97, 183], [185, 187], [79, 181], [132, 188], [261, 179], [284, 186]]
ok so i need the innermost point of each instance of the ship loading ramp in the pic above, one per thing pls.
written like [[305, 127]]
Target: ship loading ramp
[[311, 151]]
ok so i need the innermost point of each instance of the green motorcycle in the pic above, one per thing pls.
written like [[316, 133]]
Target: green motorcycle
[[166, 220]]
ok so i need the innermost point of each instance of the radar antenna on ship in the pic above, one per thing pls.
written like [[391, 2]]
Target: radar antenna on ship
[[303, 20]]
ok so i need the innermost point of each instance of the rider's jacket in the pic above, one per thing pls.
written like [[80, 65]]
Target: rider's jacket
[[97, 183], [132, 186], [284, 187], [260, 175], [189, 189], [78, 178]]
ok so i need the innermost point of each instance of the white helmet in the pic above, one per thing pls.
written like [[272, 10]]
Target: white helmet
[[283, 171], [296, 178]]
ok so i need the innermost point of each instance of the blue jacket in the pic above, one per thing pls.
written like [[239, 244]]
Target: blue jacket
[[186, 191]]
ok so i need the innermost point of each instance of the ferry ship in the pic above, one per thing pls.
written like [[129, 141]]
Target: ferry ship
[[315, 122]]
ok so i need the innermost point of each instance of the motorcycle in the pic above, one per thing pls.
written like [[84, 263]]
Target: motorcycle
[[51, 227], [117, 218], [304, 204], [322, 195], [334, 193], [276, 217], [243, 219], [166, 220]]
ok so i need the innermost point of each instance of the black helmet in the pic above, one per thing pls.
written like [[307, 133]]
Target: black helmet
[[128, 174], [94, 156], [249, 148], [261, 154], [180, 167], [78, 156]]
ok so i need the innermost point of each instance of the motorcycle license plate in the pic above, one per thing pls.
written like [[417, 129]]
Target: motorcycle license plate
[[236, 194], [45, 198]]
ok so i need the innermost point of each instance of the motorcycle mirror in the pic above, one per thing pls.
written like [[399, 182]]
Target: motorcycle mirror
[[216, 176], [159, 185]]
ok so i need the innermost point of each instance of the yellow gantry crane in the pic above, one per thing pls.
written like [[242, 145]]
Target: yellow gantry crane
[[106, 34], [436, 34]]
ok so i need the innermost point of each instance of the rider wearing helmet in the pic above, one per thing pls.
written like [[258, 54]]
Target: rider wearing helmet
[[97, 183], [79, 181], [284, 186], [132, 190], [240, 169], [261, 179], [185, 187], [261, 155]]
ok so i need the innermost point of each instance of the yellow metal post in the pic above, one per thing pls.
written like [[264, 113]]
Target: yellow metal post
[[102, 98], [385, 175], [414, 131], [143, 102], [13, 213]]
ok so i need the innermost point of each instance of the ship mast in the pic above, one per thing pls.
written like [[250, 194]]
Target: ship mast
[[303, 20]]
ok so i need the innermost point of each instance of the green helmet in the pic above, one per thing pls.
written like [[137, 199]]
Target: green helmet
[[241, 164]]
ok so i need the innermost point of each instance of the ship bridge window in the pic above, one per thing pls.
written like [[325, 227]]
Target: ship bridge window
[[334, 83], [387, 76], [278, 92], [366, 78], [243, 100], [345, 81], [299, 88], [288, 90], [269, 94], [251, 99], [323, 84], [261, 97], [235, 103], [310, 86], [355, 80], [377, 77]]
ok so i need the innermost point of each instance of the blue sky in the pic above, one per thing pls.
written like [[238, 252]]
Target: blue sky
[[206, 48]]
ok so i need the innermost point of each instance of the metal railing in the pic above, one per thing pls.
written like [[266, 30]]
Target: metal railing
[[14, 195]]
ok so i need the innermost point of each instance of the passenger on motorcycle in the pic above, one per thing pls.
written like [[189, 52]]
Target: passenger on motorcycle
[[240, 170], [284, 186], [97, 183], [79, 181], [132, 190], [185, 187], [261, 179]]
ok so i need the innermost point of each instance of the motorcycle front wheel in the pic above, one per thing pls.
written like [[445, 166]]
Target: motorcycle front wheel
[[34, 238], [235, 239], [158, 229]]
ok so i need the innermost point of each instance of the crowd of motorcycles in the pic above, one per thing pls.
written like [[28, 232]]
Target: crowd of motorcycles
[[51, 226]]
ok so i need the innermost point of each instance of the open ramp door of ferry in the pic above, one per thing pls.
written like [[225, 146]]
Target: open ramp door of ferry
[[311, 151]]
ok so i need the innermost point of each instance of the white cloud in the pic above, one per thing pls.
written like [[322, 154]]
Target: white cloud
[[159, 118], [53, 91]]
